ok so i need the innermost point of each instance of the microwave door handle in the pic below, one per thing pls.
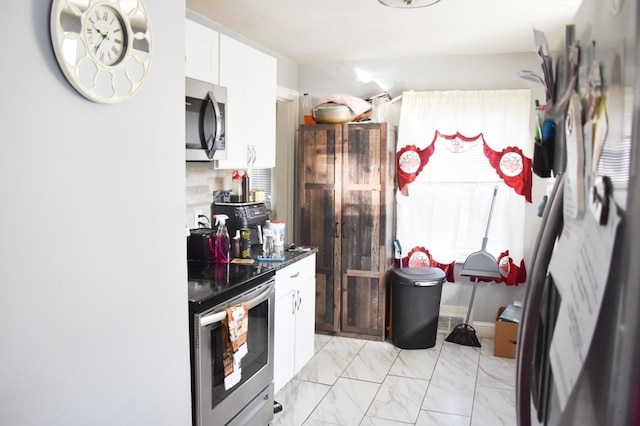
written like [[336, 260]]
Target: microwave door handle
[[218, 127], [216, 317]]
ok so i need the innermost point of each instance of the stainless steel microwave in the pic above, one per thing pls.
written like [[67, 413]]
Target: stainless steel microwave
[[205, 120]]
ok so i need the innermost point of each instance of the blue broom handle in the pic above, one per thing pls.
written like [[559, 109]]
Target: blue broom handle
[[486, 232]]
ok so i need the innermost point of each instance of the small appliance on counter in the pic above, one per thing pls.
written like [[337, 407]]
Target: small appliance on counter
[[249, 215], [200, 244]]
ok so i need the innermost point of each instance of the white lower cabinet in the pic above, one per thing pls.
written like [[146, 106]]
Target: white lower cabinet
[[294, 327]]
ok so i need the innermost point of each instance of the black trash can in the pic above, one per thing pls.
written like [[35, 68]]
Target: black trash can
[[415, 306]]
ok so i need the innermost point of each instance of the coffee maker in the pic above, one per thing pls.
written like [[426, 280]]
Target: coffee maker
[[243, 215]]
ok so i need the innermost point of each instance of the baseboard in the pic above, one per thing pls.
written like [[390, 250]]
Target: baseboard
[[484, 329]]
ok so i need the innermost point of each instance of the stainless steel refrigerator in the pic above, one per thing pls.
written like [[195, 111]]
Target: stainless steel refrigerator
[[578, 357]]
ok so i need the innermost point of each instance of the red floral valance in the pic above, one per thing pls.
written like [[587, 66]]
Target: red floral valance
[[513, 167], [510, 273]]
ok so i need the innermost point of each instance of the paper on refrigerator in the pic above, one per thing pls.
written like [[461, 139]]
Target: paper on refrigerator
[[579, 267]]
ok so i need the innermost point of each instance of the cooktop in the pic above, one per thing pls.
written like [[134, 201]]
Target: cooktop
[[213, 283]]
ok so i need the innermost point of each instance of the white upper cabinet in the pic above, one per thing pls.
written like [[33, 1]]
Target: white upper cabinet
[[250, 78], [202, 52]]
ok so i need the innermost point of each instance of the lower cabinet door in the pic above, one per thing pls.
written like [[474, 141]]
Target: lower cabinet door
[[305, 323], [284, 332]]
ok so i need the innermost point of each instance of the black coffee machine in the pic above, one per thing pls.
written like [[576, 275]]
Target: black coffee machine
[[250, 215]]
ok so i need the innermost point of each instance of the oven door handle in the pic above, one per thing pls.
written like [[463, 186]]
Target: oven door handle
[[216, 317]]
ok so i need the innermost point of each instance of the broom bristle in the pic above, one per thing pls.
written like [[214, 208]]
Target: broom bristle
[[464, 334]]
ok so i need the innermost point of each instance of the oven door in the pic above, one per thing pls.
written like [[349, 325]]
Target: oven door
[[251, 400]]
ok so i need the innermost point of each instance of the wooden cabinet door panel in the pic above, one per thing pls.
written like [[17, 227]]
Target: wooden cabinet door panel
[[319, 215], [363, 237], [362, 306]]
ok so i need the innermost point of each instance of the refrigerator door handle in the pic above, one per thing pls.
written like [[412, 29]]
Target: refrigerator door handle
[[543, 248]]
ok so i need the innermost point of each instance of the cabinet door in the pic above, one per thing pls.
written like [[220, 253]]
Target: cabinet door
[[283, 340], [319, 218], [364, 262], [305, 323], [233, 71], [261, 109], [201, 52], [250, 78]]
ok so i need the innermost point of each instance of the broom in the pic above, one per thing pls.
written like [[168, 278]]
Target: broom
[[478, 264], [464, 334]]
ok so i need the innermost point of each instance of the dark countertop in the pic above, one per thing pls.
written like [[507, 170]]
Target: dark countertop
[[212, 284]]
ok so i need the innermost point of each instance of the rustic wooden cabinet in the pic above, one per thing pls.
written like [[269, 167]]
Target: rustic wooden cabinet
[[346, 176]]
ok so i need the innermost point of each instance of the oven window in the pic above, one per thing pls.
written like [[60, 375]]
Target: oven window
[[256, 358]]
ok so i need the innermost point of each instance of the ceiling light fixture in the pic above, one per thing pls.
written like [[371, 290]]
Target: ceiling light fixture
[[408, 4]]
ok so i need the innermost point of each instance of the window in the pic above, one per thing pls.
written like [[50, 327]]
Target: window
[[261, 180], [454, 148]]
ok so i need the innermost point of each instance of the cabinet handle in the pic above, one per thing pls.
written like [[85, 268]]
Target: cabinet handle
[[299, 300], [293, 304], [295, 275], [251, 156], [336, 229]]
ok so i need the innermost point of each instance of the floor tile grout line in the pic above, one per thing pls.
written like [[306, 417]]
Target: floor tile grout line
[[379, 387], [398, 354]]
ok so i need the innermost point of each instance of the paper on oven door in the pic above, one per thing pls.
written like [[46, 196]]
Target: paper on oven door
[[234, 378], [579, 267]]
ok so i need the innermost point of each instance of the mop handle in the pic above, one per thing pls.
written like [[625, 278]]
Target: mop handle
[[486, 232]]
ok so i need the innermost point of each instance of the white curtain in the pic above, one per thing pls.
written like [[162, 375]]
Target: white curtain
[[444, 204]]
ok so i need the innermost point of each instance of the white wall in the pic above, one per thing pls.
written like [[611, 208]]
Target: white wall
[[93, 294]]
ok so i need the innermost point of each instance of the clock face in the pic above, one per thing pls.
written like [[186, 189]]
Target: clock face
[[103, 47], [106, 35]]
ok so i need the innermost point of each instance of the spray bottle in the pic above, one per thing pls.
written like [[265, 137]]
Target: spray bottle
[[222, 243]]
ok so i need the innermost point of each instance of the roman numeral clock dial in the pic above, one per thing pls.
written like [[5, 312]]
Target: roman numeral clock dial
[[105, 35], [103, 47]]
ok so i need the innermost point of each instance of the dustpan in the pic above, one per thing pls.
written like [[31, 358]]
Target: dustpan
[[479, 264]]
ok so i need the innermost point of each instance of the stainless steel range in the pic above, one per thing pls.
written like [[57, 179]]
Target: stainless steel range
[[213, 288]]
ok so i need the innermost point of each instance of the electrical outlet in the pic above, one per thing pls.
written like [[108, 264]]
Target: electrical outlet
[[196, 218]]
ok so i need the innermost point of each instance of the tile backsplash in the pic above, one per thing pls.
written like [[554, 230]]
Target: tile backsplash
[[202, 179]]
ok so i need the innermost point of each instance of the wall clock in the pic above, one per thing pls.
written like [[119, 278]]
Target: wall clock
[[102, 46]]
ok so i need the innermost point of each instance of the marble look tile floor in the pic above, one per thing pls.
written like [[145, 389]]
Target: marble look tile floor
[[356, 382]]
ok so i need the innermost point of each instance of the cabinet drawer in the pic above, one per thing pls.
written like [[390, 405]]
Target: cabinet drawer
[[292, 276]]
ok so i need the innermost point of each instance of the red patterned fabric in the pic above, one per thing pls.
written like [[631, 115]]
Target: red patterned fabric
[[410, 161], [513, 167]]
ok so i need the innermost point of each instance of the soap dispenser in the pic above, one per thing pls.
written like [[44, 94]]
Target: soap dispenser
[[222, 241]]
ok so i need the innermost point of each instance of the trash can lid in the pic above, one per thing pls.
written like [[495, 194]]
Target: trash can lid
[[420, 274]]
